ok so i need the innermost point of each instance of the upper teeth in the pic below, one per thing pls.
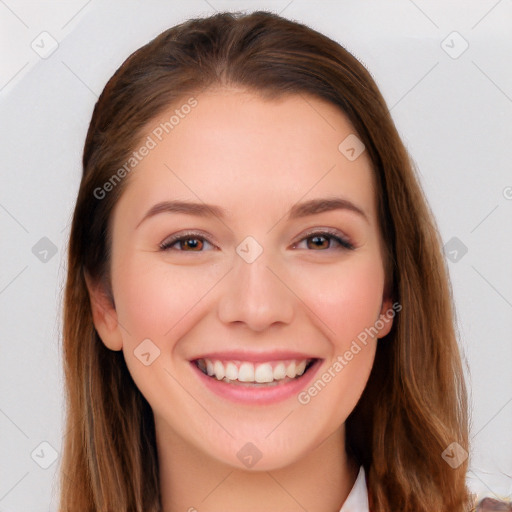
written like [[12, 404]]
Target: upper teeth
[[244, 371]]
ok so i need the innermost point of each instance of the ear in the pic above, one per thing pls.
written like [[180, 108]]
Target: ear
[[104, 314], [387, 313]]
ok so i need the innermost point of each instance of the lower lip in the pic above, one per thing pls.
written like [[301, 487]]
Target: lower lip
[[261, 394]]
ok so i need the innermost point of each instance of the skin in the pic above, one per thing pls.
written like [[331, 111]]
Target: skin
[[255, 158]]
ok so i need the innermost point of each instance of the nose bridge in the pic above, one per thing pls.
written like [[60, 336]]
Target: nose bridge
[[254, 294]]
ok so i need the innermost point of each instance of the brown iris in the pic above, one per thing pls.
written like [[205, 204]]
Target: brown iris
[[319, 242], [194, 244]]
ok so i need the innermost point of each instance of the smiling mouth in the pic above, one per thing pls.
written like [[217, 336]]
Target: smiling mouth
[[245, 373]]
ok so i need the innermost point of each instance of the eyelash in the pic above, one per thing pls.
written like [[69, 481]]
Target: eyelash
[[343, 242]]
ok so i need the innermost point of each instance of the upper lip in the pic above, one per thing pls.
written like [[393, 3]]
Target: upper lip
[[254, 357]]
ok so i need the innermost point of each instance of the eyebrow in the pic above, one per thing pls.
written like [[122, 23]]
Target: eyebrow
[[298, 210]]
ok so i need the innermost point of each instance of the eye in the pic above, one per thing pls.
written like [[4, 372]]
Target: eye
[[322, 240], [188, 242], [316, 240]]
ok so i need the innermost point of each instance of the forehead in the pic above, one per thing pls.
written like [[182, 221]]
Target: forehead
[[242, 151]]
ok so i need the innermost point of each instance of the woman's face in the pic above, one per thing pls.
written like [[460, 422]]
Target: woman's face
[[276, 275]]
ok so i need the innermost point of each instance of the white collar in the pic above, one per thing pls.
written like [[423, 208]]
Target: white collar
[[357, 500]]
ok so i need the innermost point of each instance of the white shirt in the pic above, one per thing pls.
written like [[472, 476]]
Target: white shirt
[[357, 500]]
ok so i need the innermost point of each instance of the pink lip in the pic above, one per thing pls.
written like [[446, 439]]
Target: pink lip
[[253, 357], [256, 395]]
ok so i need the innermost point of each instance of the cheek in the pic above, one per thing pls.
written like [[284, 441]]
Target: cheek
[[157, 301], [346, 298], [347, 302]]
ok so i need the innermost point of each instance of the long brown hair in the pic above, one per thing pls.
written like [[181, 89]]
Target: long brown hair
[[414, 406]]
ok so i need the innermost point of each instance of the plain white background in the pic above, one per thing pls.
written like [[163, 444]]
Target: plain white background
[[451, 104]]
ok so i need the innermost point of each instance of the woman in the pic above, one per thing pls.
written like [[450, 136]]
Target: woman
[[257, 313]]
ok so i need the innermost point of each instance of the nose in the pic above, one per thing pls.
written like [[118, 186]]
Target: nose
[[255, 294]]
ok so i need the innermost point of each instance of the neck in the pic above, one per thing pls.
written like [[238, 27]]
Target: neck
[[192, 481]]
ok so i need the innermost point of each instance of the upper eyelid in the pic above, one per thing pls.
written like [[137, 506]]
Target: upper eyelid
[[326, 231]]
